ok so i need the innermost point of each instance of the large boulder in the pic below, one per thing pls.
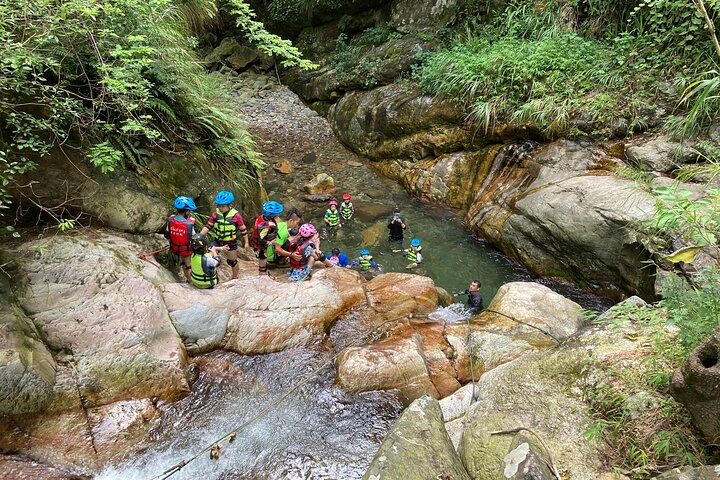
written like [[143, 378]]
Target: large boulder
[[707, 472], [417, 447], [658, 155], [423, 15], [697, 386]]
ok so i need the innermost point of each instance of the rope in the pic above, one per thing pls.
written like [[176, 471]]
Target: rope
[[545, 332], [144, 256], [214, 448]]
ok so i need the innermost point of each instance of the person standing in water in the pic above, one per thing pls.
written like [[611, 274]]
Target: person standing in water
[[397, 227]]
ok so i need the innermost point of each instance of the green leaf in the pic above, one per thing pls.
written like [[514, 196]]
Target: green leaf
[[685, 254]]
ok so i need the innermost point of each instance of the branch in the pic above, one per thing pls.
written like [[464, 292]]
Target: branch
[[700, 4]]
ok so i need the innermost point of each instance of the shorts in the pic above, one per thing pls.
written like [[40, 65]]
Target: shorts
[[298, 274], [233, 244]]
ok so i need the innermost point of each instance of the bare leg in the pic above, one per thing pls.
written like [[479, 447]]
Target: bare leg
[[232, 255], [185, 265]]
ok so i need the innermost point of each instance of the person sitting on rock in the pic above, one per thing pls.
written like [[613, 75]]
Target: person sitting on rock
[[203, 264], [279, 249], [180, 230], [224, 225], [338, 258], [307, 251], [397, 226], [346, 208], [414, 253], [265, 231]]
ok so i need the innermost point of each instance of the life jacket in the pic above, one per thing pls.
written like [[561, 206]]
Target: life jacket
[[346, 210], [264, 232], [299, 248], [202, 275], [365, 262], [333, 217], [412, 254], [180, 231], [223, 228]]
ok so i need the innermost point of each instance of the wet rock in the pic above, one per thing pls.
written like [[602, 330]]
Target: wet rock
[[400, 294], [283, 166], [14, 467], [658, 155], [241, 58], [321, 184], [309, 158], [317, 198], [417, 447], [708, 472], [116, 336], [697, 386], [372, 235]]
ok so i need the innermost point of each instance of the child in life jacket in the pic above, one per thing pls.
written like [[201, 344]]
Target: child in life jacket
[[180, 230], [307, 249], [265, 231], [203, 263], [346, 208], [338, 258], [225, 225], [364, 261], [332, 217], [414, 253]]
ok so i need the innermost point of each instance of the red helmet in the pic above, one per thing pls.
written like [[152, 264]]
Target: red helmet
[[307, 230], [346, 196]]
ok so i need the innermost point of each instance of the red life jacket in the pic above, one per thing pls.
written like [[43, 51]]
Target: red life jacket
[[299, 247], [264, 232], [180, 231]]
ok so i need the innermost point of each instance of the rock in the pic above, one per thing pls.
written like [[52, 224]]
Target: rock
[[95, 301], [372, 235], [354, 164], [543, 391], [526, 460], [255, 315], [657, 155], [283, 166], [228, 46], [707, 472], [697, 386], [309, 158], [423, 15], [241, 58], [317, 198], [397, 122], [322, 184], [417, 447], [400, 294], [18, 468]]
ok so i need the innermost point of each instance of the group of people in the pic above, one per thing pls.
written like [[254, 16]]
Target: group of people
[[277, 240]]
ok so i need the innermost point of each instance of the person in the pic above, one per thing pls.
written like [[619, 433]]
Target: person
[[307, 252], [279, 249], [475, 300], [396, 225], [346, 208], [224, 225], [203, 263], [179, 231], [332, 215], [364, 261], [338, 258], [414, 253], [265, 231]]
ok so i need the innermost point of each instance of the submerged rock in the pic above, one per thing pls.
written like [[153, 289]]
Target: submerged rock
[[321, 184], [417, 447]]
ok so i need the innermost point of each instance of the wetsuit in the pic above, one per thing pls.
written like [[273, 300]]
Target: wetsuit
[[396, 233], [475, 301]]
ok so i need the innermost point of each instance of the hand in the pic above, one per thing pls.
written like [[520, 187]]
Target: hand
[[295, 256]]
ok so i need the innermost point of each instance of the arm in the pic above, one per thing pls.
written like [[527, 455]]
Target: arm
[[209, 225], [419, 257], [242, 230]]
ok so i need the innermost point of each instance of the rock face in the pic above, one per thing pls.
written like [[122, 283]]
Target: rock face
[[542, 391], [425, 15], [657, 155], [708, 472], [84, 338], [697, 386], [417, 447], [424, 357]]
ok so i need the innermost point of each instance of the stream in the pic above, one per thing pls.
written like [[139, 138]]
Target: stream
[[320, 431]]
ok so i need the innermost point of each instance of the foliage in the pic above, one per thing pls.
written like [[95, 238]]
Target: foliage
[[628, 53], [643, 429], [122, 77], [708, 167]]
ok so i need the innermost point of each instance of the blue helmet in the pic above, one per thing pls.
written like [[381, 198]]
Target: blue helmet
[[415, 242], [272, 208], [224, 198], [364, 251], [184, 203]]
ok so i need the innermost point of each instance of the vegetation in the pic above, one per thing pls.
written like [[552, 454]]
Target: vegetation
[[120, 79], [546, 63], [355, 58]]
